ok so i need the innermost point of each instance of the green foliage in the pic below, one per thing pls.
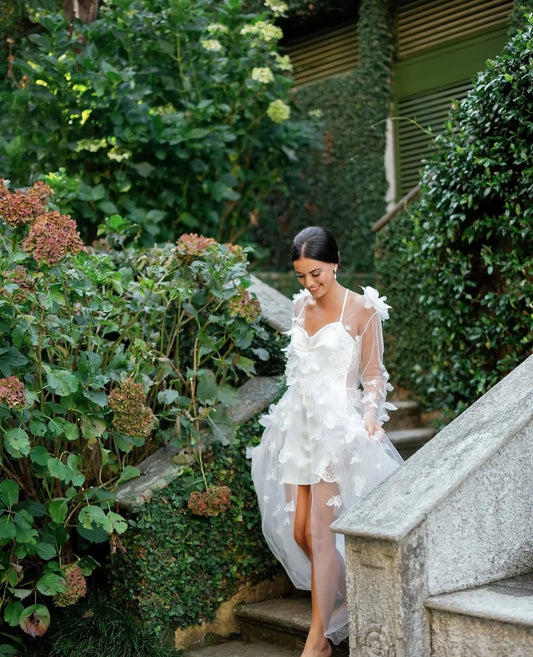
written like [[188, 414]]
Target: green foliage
[[332, 176], [471, 245], [371, 106], [518, 18], [104, 356], [408, 342], [172, 114], [177, 567]]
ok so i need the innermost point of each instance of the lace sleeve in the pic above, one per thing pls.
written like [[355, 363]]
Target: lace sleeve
[[374, 376]]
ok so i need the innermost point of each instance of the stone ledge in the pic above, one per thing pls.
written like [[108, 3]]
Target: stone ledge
[[276, 308], [506, 601]]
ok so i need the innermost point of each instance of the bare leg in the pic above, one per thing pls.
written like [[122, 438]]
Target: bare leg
[[316, 644]]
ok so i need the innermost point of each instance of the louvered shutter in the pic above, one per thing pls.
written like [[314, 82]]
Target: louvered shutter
[[324, 55], [440, 47]]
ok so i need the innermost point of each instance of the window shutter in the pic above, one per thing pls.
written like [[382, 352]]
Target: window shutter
[[324, 55], [440, 47]]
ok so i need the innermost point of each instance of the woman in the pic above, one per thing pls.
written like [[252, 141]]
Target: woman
[[323, 446]]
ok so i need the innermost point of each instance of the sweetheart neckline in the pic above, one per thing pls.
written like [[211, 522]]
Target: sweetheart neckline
[[338, 321]]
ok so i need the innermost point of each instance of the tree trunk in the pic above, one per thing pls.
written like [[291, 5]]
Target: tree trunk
[[84, 10]]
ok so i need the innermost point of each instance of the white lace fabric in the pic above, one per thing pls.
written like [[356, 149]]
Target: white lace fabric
[[315, 435]]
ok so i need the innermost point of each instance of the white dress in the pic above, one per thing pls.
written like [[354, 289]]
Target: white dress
[[316, 435]]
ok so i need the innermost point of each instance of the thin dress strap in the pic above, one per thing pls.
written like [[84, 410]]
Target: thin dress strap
[[343, 305]]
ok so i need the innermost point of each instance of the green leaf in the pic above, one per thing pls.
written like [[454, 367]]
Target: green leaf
[[62, 382], [10, 359], [12, 613], [45, 550], [128, 474], [8, 529], [9, 492], [17, 442], [40, 455], [50, 584], [167, 396], [58, 509]]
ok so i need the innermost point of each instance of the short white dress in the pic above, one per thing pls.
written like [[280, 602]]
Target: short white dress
[[315, 435]]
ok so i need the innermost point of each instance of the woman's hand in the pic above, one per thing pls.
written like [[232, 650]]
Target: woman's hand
[[375, 431]]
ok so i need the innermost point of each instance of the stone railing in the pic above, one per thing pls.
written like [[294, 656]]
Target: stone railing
[[456, 515]]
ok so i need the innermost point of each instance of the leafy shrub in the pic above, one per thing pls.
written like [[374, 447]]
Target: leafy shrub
[[171, 113], [104, 356], [408, 341], [177, 567], [471, 246]]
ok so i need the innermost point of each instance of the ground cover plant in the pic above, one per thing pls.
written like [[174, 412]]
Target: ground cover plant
[[467, 242], [174, 114], [105, 354]]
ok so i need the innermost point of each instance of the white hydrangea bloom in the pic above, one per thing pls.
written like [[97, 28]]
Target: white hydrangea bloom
[[278, 111], [216, 27], [262, 74], [211, 44]]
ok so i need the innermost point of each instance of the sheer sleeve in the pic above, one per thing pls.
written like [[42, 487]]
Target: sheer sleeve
[[372, 374]]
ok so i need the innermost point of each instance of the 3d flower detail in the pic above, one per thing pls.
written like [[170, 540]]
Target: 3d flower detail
[[335, 501], [76, 586], [52, 237], [21, 207], [278, 111], [190, 246], [12, 392], [262, 74], [372, 299], [213, 45], [245, 306], [210, 502], [131, 415]]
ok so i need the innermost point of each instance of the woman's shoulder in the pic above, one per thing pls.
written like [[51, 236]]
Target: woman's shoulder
[[368, 302]]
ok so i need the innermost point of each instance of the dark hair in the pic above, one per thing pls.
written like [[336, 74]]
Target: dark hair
[[315, 243]]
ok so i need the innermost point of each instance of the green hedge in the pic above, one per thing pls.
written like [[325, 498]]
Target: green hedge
[[463, 257]]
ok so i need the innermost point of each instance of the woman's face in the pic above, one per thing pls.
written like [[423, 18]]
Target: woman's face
[[315, 275]]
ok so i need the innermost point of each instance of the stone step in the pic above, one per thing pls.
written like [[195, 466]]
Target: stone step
[[495, 620], [284, 622], [243, 649], [406, 415], [408, 441]]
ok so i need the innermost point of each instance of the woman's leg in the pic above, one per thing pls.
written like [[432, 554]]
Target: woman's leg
[[317, 539]]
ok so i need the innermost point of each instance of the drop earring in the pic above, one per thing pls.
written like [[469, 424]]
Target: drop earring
[[335, 274]]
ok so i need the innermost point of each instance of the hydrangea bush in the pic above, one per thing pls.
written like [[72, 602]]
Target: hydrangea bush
[[174, 114], [105, 355]]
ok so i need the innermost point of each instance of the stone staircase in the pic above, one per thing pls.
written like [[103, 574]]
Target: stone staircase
[[495, 620], [273, 628]]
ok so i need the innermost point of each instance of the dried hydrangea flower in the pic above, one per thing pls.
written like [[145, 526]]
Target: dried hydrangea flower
[[12, 392], [245, 306], [76, 586], [21, 207], [131, 415], [190, 246], [211, 502], [52, 237], [26, 284]]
